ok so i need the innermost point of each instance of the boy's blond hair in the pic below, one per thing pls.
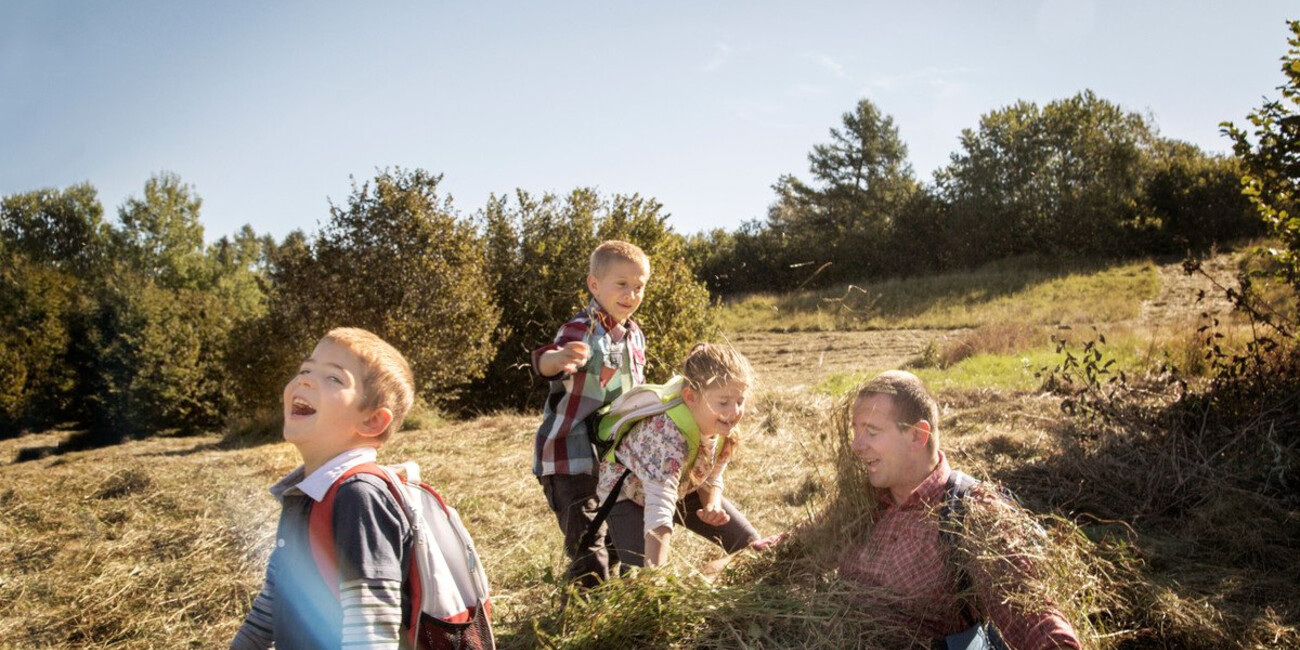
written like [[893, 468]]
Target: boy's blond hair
[[616, 251], [386, 381]]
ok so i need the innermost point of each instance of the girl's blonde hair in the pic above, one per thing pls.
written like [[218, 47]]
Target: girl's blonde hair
[[708, 366]]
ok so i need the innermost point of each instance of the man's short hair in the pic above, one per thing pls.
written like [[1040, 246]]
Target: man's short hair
[[912, 400], [613, 251], [387, 380]]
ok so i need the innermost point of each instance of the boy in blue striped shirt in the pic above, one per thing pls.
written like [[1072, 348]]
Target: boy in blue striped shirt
[[345, 401]]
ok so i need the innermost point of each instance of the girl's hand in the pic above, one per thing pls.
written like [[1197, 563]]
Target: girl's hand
[[713, 515]]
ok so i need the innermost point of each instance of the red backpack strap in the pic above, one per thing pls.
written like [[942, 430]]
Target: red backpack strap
[[320, 533], [320, 524]]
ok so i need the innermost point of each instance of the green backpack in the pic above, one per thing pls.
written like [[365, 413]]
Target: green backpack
[[639, 403]]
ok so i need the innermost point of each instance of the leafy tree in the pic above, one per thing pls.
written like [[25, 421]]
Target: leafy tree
[[159, 360], [62, 228], [1192, 200], [52, 246], [538, 250], [1270, 154], [923, 237], [1061, 179], [713, 256], [237, 266], [161, 236], [36, 382], [155, 346], [861, 180], [396, 260], [266, 347], [867, 161]]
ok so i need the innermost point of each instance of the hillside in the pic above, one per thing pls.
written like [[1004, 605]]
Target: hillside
[[161, 542]]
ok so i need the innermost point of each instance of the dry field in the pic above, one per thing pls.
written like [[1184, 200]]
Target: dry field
[[160, 543]]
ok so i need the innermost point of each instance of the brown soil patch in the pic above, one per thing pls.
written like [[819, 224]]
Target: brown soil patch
[[796, 360], [1181, 300], [793, 361]]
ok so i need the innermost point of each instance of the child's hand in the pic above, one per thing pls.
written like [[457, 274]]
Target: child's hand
[[713, 515], [573, 356]]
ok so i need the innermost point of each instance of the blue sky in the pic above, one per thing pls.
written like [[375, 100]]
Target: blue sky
[[268, 109]]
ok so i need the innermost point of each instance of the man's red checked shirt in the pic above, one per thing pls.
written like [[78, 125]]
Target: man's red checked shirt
[[906, 562]]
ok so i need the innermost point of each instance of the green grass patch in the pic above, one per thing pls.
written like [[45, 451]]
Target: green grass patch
[[1019, 291], [1008, 371]]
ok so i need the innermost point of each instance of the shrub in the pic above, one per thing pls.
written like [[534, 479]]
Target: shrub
[[158, 359], [538, 251], [396, 260]]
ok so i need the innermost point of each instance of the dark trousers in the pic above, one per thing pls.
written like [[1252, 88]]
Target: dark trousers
[[627, 527], [573, 500]]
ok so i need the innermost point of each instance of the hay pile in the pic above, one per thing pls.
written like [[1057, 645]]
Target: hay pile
[[791, 596], [1153, 540], [130, 545]]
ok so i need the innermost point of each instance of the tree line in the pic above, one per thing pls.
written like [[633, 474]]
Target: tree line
[[1077, 177], [137, 326]]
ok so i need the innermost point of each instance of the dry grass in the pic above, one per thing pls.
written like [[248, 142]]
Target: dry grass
[[793, 597], [1037, 294], [161, 543], [142, 545], [1157, 538], [1003, 337]]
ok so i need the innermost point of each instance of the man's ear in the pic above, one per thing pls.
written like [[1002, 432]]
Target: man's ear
[[376, 423], [591, 284], [920, 433]]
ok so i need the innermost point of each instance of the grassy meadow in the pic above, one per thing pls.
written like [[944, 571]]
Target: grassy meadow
[[161, 543], [1029, 291]]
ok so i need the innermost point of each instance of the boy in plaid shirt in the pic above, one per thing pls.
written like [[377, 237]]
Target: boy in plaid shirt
[[595, 357]]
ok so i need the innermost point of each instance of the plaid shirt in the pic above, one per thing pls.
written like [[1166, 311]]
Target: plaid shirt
[[617, 362], [908, 563]]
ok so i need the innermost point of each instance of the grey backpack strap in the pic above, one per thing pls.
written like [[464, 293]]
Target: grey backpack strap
[[952, 519]]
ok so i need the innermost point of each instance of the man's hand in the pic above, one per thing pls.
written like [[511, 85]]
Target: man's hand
[[570, 358], [768, 542]]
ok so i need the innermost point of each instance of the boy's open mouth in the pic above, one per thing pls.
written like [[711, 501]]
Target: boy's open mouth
[[301, 407]]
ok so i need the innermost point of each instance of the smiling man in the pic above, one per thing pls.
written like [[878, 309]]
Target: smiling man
[[946, 594]]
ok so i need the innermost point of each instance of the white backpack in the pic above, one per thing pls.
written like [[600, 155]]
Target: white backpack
[[446, 579]]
